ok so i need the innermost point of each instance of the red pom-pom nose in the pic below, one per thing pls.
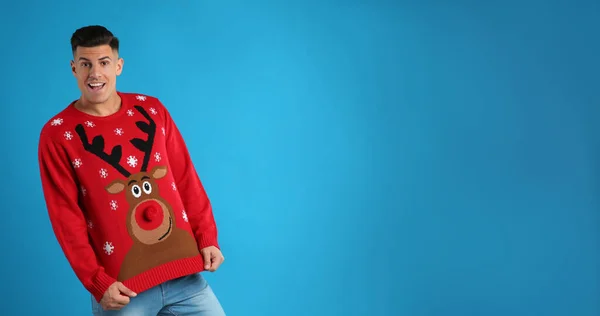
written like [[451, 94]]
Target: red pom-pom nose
[[151, 213]]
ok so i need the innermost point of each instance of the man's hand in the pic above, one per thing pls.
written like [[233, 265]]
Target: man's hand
[[212, 258], [116, 296]]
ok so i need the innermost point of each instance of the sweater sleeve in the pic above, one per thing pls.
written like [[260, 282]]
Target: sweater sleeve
[[196, 202], [66, 217]]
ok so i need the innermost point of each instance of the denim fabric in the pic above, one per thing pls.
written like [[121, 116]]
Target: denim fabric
[[189, 295]]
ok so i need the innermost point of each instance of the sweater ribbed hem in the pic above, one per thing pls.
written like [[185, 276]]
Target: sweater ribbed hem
[[163, 273]]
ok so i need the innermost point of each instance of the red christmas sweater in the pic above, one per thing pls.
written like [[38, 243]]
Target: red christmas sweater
[[123, 196]]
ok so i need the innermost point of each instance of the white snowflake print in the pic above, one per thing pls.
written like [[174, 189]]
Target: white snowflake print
[[132, 161], [89, 124], [153, 111], [56, 121], [108, 248], [103, 173], [68, 135], [130, 112], [174, 186], [113, 205], [141, 98], [90, 224], [118, 131], [77, 163], [184, 215], [157, 156], [83, 191], [163, 130]]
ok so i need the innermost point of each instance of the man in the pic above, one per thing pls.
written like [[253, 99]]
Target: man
[[123, 197]]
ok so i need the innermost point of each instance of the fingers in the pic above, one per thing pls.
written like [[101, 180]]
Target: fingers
[[217, 260], [114, 306], [121, 300], [206, 255], [213, 258], [215, 264], [123, 289], [117, 297], [116, 301]]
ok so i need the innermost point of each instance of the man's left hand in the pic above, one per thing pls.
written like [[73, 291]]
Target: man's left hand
[[212, 258]]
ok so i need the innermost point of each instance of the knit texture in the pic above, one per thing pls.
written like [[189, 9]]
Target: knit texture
[[123, 197]]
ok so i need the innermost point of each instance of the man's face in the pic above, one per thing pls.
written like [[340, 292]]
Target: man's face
[[96, 70]]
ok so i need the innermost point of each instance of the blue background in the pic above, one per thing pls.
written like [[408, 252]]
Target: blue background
[[363, 157]]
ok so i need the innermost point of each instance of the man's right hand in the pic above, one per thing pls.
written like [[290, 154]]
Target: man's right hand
[[116, 296]]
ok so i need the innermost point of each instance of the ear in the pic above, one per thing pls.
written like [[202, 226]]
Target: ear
[[120, 63], [158, 172], [73, 68], [115, 187]]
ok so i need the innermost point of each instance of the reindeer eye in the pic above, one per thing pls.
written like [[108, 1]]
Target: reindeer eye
[[137, 192], [147, 187]]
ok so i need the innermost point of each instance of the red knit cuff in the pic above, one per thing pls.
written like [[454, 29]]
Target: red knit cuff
[[100, 285], [207, 240]]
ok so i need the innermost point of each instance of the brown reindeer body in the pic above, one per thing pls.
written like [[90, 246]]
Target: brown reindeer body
[[150, 220], [142, 257]]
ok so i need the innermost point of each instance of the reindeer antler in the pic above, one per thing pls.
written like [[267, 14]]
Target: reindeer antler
[[96, 147], [145, 145]]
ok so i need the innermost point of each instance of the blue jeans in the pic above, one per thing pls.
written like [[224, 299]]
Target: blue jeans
[[189, 295]]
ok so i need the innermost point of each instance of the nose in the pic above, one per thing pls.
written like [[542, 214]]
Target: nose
[[151, 213], [94, 72]]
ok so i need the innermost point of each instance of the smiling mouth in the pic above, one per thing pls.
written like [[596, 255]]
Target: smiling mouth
[[168, 230], [96, 86]]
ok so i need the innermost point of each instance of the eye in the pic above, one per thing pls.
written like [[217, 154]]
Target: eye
[[137, 192], [147, 187]]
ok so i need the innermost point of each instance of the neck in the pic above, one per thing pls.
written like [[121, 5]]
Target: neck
[[111, 106]]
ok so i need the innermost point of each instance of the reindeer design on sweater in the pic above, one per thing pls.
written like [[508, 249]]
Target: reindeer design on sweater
[[150, 218]]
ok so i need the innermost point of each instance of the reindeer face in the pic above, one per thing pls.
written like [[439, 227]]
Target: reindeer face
[[149, 218]]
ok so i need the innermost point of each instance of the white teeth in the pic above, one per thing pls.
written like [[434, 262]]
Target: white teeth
[[96, 84]]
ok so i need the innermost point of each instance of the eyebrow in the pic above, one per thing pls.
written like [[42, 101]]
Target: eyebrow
[[103, 58], [134, 181]]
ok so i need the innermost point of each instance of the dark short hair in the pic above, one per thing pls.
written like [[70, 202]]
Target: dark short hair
[[93, 35]]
